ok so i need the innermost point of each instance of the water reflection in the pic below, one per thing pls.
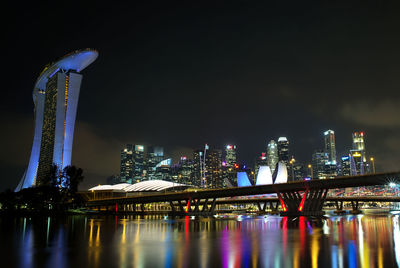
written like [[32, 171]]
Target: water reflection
[[345, 241]]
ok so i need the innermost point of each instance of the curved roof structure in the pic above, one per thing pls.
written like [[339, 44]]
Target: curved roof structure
[[153, 185], [243, 179], [144, 186], [77, 61], [281, 176], [264, 176], [117, 187]]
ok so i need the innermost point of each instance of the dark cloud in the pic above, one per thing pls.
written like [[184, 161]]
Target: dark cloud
[[97, 155], [373, 113]]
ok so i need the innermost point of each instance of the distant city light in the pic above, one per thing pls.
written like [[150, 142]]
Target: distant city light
[[307, 178]]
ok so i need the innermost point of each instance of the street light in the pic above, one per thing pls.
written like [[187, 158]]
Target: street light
[[373, 164], [311, 169]]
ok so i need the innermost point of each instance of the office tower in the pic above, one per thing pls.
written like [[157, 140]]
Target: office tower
[[228, 166], [230, 155], [345, 166], [299, 171], [213, 169], [358, 154], [296, 170], [197, 156], [154, 156], [163, 170], [185, 169], [127, 164], [139, 163], [55, 96], [272, 155], [283, 150], [319, 159], [358, 141], [330, 148]]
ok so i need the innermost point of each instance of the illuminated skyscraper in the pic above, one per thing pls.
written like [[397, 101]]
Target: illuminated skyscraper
[[55, 96], [358, 141], [228, 166], [272, 155], [213, 169], [139, 162], [330, 150], [319, 159], [154, 156], [283, 150], [230, 155], [185, 170], [358, 154], [345, 166], [127, 164], [330, 147]]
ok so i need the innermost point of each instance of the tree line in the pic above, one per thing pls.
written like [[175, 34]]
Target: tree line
[[57, 191]]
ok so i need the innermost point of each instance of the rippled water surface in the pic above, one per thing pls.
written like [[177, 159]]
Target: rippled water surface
[[111, 241]]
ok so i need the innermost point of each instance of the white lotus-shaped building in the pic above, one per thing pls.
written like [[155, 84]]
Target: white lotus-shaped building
[[264, 176]]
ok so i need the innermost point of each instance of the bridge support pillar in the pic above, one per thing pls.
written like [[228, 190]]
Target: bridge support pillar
[[302, 203], [192, 207], [355, 209], [339, 207]]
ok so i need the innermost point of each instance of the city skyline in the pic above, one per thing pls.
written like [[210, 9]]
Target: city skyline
[[184, 76]]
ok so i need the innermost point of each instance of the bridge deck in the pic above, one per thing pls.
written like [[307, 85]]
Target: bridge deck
[[340, 182]]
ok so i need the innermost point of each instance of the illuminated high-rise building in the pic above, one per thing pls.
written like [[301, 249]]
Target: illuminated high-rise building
[[358, 154], [213, 169], [358, 141], [55, 96], [185, 170], [345, 166], [319, 159], [272, 155], [154, 156], [230, 155], [330, 147], [197, 158], [283, 150], [228, 166], [138, 157], [127, 164], [213, 175], [330, 150]]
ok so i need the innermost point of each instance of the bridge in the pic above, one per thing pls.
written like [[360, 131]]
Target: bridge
[[300, 198]]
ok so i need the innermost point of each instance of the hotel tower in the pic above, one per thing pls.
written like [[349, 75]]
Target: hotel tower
[[55, 97]]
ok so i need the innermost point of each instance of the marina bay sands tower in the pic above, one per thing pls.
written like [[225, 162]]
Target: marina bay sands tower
[[55, 96]]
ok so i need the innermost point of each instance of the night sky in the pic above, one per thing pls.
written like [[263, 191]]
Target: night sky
[[181, 76]]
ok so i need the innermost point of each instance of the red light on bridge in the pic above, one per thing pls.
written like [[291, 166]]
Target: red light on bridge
[[187, 206], [282, 203], [303, 200]]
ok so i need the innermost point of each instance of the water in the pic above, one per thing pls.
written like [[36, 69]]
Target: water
[[110, 241]]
